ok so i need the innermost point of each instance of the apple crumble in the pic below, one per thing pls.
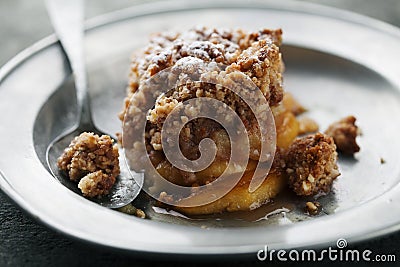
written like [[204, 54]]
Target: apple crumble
[[307, 164], [92, 162]]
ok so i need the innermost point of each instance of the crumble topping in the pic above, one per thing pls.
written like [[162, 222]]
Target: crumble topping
[[92, 161], [311, 164], [344, 133], [254, 53]]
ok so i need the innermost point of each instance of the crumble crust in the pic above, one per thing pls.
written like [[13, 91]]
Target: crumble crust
[[311, 164], [344, 133], [254, 53], [92, 161]]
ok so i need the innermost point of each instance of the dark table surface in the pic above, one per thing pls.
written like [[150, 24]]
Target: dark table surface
[[25, 242]]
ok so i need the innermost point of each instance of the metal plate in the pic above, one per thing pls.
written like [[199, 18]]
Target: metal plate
[[337, 63]]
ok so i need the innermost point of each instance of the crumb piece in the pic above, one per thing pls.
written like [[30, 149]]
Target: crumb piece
[[383, 161], [313, 208], [96, 184], [194, 54], [307, 125], [344, 133], [290, 103], [311, 164], [132, 210], [92, 161], [140, 213]]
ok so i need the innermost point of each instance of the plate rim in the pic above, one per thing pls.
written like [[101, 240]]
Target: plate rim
[[129, 12]]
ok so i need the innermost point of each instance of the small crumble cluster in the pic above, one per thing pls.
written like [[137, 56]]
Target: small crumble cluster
[[344, 133], [92, 161], [313, 208], [311, 164]]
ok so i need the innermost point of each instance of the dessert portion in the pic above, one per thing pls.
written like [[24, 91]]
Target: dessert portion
[[246, 55], [253, 56], [92, 162], [307, 164]]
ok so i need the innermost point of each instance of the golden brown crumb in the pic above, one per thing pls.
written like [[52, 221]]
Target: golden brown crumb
[[307, 125], [92, 160], [140, 213], [383, 161], [313, 208], [344, 133], [311, 164], [96, 184]]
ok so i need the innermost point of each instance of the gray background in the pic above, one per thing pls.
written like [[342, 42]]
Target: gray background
[[24, 242]]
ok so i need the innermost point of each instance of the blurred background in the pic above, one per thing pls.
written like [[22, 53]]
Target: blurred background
[[24, 242], [25, 21]]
